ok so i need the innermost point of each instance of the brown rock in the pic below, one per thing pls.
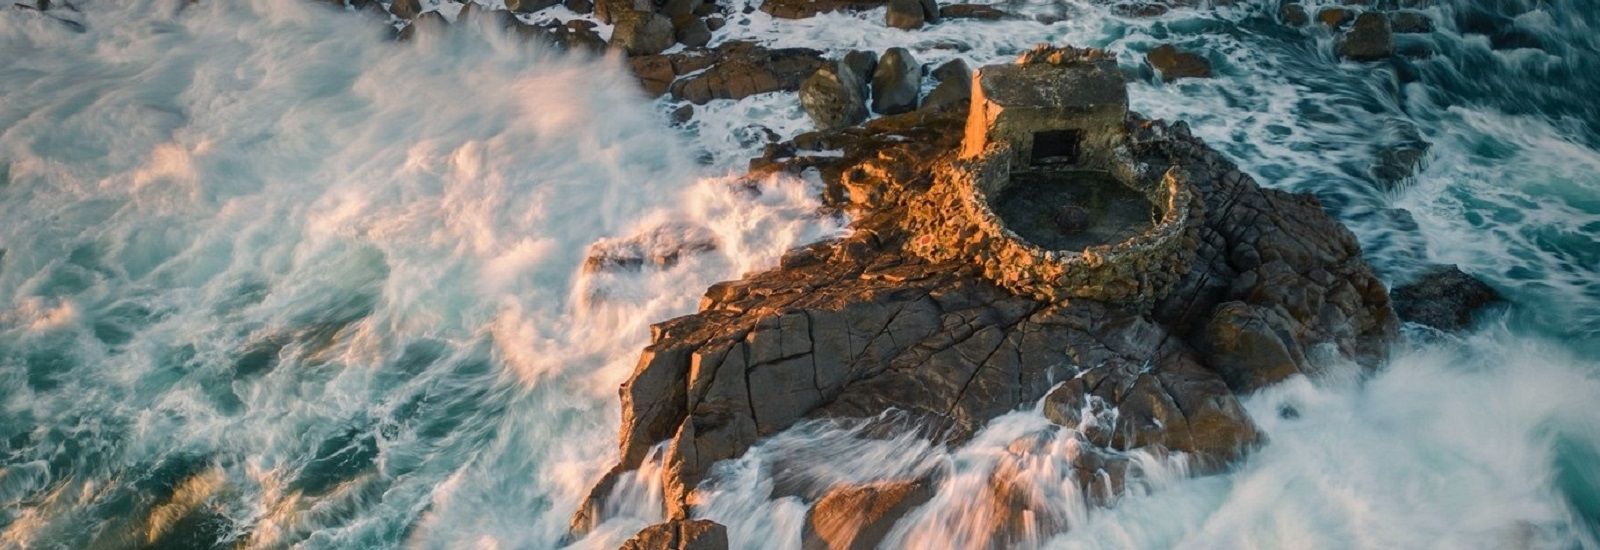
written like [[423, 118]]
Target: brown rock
[[1335, 17], [1410, 22], [904, 14], [860, 516], [801, 9], [1370, 39], [1174, 63], [699, 534], [1293, 14]]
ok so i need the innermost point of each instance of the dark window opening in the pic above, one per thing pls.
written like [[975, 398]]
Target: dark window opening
[[1056, 146]]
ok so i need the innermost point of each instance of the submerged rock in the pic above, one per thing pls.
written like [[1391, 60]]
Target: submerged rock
[[895, 82], [1293, 14], [1410, 22], [1174, 63], [1443, 297]]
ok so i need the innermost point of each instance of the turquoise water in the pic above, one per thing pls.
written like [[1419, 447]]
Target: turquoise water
[[270, 280]]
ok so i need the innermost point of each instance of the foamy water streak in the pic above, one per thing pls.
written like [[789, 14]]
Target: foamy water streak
[[272, 279]]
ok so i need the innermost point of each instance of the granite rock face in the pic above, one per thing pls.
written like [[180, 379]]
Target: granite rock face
[[860, 329]]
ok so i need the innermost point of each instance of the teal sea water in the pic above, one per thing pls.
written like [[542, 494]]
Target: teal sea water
[[271, 280]]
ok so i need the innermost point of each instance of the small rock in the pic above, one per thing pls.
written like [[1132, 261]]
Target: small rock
[[1335, 17], [643, 33], [1410, 22], [714, 23], [895, 82], [579, 6], [1174, 63], [930, 11], [1443, 297], [904, 14], [832, 97], [972, 11], [1071, 219], [1293, 14], [1396, 164], [682, 114], [1370, 39]]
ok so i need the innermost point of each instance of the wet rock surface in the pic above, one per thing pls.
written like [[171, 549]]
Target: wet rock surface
[[858, 329], [1444, 297], [732, 70], [1369, 39], [895, 82], [861, 516], [1174, 63], [696, 534]]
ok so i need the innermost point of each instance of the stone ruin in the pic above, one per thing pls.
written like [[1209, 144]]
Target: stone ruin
[[1044, 198]]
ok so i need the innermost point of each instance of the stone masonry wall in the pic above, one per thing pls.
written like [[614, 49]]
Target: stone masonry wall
[[953, 222]]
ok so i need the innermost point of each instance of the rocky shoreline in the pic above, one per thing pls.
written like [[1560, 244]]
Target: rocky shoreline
[[861, 329], [883, 328]]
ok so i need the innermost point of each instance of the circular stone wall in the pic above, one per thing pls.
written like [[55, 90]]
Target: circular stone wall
[[954, 222]]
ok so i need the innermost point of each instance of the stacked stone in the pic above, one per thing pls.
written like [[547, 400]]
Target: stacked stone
[[954, 222]]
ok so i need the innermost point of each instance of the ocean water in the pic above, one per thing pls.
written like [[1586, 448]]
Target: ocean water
[[271, 280]]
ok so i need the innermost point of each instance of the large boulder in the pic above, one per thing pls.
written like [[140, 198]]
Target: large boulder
[[1443, 297], [860, 516], [895, 82], [1293, 14], [1369, 39], [1174, 63], [954, 90], [833, 97], [904, 14], [699, 534], [642, 33]]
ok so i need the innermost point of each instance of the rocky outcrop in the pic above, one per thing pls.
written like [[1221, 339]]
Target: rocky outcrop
[[733, 70], [862, 330], [696, 534], [895, 82], [1443, 297], [1174, 63], [801, 9]]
